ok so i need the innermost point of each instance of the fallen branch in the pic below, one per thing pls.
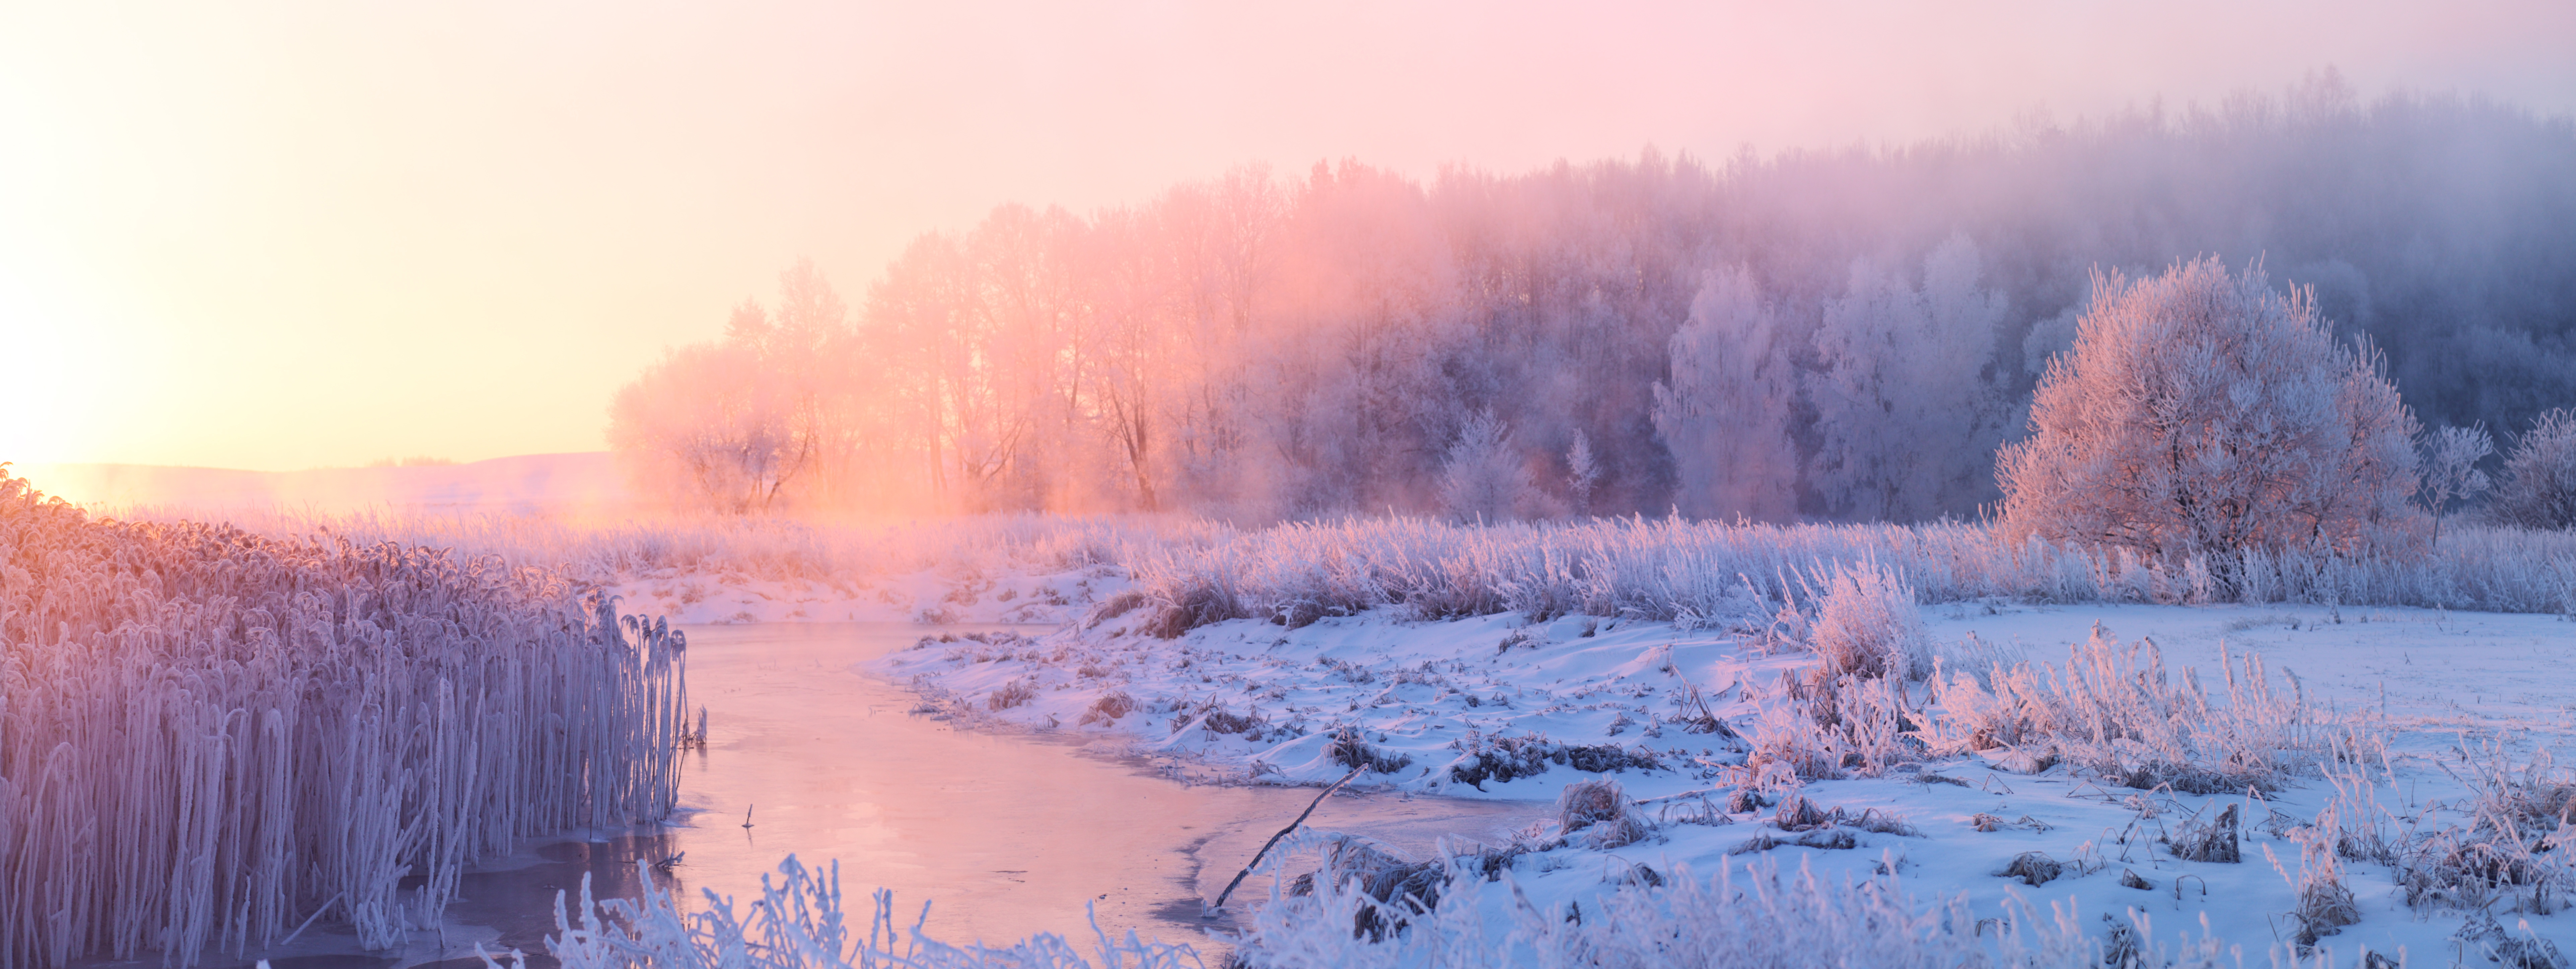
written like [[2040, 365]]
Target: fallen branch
[[1274, 840]]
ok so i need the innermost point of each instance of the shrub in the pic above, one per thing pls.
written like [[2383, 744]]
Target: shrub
[[1012, 694], [1111, 706], [1600, 815], [1867, 624], [2200, 414], [2539, 489]]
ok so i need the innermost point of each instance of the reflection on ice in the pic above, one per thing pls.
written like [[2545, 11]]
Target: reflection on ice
[[1005, 837]]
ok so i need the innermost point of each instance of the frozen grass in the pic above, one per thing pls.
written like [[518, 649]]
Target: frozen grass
[[1194, 572], [1706, 572], [2116, 713], [1753, 917], [603, 551], [209, 738], [797, 923], [2507, 844]]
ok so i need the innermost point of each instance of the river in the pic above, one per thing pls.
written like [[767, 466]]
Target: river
[[1005, 834]]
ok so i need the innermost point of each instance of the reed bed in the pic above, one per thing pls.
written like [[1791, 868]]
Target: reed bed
[[209, 739]]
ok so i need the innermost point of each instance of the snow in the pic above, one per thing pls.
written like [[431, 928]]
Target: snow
[[2457, 693], [942, 595]]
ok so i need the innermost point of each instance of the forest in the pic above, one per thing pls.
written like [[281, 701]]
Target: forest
[[1820, 335]]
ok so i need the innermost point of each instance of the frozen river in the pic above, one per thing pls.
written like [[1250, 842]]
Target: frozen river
[[1007, 835]]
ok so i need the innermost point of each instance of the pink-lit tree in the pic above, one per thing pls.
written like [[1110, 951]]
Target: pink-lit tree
[[2202, 414]]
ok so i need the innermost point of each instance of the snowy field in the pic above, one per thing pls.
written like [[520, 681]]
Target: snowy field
[[2451, 713], [2387, 773]]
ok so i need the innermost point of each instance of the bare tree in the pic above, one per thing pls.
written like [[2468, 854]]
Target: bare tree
[[2450, 460], [2539, 489]]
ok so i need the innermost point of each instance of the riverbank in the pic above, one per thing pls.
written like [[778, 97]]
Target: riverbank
[[2458, 713]]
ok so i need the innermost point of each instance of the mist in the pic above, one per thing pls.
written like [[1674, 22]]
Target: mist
[[1818, 335]]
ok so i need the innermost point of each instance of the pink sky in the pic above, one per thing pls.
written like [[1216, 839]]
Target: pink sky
[[296, 235]]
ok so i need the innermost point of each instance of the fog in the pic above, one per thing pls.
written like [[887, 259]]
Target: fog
[[1840, 334]]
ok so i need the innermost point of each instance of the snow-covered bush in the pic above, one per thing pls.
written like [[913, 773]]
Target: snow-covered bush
[[207, 735], [2202, 414], [1831, 726], [1598, 814], [1867, 624], [2539, 487]]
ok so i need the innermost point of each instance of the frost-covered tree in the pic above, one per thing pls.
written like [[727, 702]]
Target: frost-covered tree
[[1483, 477], [1907, 418], [2450, 461], [1725, 412], [2539, 488], [1582, 473], [740, 424], [1309, 343], [707, 429], [2202, 413]]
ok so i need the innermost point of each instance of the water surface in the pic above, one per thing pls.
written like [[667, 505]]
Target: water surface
[[1007, 834]]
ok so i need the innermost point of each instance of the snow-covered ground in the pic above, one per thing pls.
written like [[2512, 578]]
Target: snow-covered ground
[[942, 595], [2465, 702]]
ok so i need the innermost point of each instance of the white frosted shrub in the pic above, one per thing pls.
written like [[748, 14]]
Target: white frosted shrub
[[1867, 624], [2201, 414]]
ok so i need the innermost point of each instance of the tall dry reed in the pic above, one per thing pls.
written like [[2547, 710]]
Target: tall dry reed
[[209, 738]]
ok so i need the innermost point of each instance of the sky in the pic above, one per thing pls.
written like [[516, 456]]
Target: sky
[[278, 236]]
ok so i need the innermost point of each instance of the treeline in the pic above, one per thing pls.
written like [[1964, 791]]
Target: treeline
[[1840, 335]]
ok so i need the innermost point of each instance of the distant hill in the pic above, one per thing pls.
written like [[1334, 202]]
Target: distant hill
[[526, 483]]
